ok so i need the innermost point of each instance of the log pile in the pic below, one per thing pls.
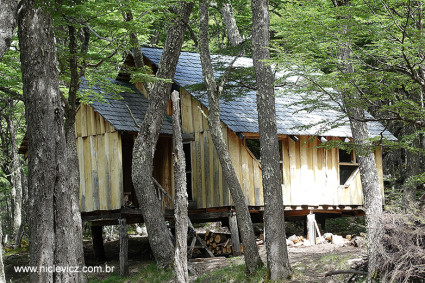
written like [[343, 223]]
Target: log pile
[[218, 243]]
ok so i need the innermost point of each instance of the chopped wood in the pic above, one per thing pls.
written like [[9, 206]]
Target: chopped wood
[[229, 249], [218, 243], [219, 238]]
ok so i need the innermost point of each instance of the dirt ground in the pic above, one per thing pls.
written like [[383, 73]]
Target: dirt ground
[[309, 263]]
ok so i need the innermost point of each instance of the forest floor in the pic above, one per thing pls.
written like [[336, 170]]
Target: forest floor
[[309, 264]]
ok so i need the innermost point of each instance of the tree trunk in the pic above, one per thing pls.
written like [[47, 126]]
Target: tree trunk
[[7, 24], [274, 222], [2, 277], [413, 168], [372, 195], [53, 216], [252, 258], [67, 208], [373, 201], [180, 202], [134, 44], [15, 178], [229, 19], [144, 147]]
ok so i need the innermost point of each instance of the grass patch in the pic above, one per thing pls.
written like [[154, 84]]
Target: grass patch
[[148, 273], [233, 273], [20, 250], [335, 260]]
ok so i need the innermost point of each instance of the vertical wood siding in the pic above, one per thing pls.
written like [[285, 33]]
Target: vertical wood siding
[[311, 174], [100, 161], [209, 187]]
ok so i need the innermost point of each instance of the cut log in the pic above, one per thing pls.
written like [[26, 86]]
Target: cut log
[[220, 238], [227, 242], [229, 249]]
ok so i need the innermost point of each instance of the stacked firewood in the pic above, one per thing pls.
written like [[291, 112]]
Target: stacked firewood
[[218, 243]]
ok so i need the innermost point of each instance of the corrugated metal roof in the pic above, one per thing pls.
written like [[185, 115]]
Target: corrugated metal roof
[[240, 113], [117, 113]]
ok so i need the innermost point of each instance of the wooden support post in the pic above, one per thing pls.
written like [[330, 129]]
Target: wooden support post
[[97, 240], [191, 247], [233, 226], [311, 228], [123, 247]]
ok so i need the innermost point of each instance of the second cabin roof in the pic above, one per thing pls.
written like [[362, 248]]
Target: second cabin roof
[[126, 112], [240, 113]]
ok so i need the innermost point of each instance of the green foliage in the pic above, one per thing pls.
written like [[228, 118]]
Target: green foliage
[[10, 71], [316, 31], [385, 40]]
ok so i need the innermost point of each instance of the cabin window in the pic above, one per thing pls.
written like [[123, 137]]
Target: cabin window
[[188, 158], [254, 146], [347, 165], [281, 161]]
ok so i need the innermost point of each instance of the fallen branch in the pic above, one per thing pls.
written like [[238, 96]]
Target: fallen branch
[[350, 271]]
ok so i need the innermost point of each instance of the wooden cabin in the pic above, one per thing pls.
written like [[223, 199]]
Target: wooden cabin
[[313, 178]]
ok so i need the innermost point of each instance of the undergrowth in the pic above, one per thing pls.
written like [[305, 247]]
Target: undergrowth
[[234, 273]]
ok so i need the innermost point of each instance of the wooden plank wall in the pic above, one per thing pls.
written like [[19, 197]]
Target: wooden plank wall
[[163, 168], [209, 187], [311, 174], [100, 161]]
